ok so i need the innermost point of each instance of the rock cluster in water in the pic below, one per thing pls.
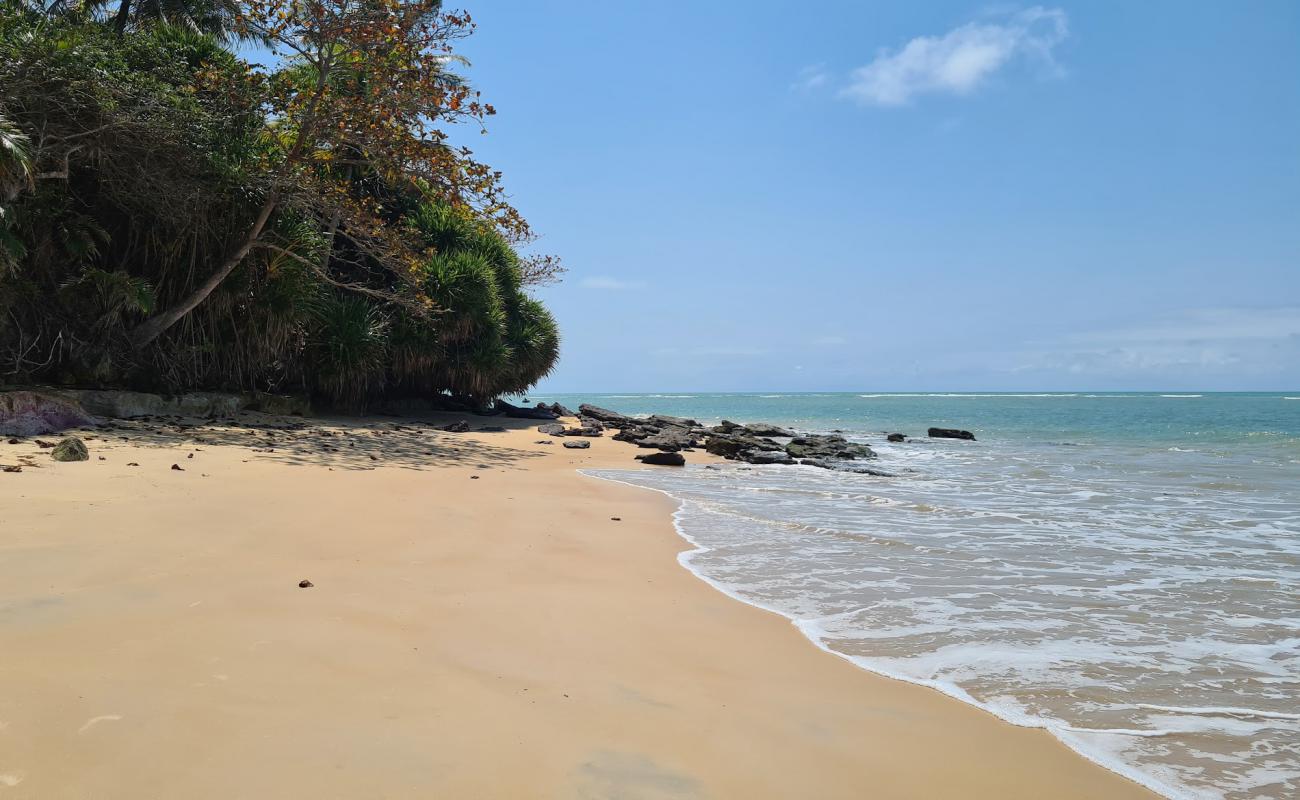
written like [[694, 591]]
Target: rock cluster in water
[[755, 443]]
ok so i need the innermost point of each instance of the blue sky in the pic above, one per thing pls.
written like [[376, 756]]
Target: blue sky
[[905, 196]]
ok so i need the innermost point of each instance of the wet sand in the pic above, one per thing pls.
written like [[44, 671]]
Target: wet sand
[[479, 627]]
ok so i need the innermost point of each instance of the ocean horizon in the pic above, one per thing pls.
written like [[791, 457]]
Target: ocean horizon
[[1117, 568]]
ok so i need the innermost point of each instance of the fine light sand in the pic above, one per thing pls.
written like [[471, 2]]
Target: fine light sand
[[479, 628]]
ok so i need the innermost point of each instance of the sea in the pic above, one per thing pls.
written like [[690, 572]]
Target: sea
[[1120, 569]]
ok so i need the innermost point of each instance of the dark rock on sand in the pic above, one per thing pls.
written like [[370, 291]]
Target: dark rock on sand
[[551, 429], [896, 437], [951, 433], [460, 426], [305, 584], [585, 430], [540, 412], [491, 429], [677, 422], [663, 459], [604, 415], [70, 449], [578, 445]]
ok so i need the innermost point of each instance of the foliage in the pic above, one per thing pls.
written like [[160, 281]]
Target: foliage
[[172, 218]]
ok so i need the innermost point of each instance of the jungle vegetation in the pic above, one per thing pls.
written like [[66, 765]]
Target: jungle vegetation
[[173, 217]]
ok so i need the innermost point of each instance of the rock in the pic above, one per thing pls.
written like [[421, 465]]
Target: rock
[[540, 412], [663, 459], [896, 437], [766, 457], [677, 422], [305, 584], [543, 441], [70, 449], [726, 426], [556, 409], [10, 468], [951, 433], [491, 429], [828, 446], [845, 466], [671, 439], [33, 413], [551, 429], [765, 429], [125, 404], [579, 445], [460, 426], [604, 415], [178, 467], [594, 433]]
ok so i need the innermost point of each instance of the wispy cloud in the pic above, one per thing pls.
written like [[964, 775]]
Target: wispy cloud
[[1192, 344], [610, 284], [811, 78], [961, 60]]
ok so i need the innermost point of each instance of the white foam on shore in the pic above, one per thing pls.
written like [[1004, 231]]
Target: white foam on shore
[[1073, 738]]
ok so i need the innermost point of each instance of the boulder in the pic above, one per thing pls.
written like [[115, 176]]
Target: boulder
[[729, 446], [663, 459], [556, 409], [766, 429], [577, 445], [671, 439], [827, 446], [70, 449], [604, 415], [726, 426], [551, 429], [34, 413], [678, 422], [766, 457], [896, 437], [594, 433], [951, 433]]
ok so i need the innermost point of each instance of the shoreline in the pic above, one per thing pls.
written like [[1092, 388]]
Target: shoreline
[[566, 661], [949, 690]]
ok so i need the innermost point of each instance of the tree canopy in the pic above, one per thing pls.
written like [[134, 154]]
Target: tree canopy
[[173, 217]]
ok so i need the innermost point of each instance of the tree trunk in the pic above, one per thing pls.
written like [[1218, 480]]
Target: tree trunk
[[154, 327], [123, 15]]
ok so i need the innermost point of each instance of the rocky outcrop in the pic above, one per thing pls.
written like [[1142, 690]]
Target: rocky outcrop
[[840, 465], [663, 459], [766, 457], [764, 429], [540, 412], [551, 429], [577, 445], [896, 437], [604, 415], [950, 433], [70, 449], [126, 404], [827, 446], [34, 413]]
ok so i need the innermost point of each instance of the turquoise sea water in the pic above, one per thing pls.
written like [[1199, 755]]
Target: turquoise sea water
[[1122, 569]]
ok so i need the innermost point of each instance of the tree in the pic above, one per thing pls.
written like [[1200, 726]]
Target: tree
[[366, 84]]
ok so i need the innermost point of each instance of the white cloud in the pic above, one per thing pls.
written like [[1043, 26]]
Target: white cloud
[[610, 284], [959, 61]]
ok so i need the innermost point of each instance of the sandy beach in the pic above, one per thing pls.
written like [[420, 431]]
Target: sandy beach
[[484, 622]]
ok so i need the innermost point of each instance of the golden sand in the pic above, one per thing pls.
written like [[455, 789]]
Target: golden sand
[[479, 627]]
